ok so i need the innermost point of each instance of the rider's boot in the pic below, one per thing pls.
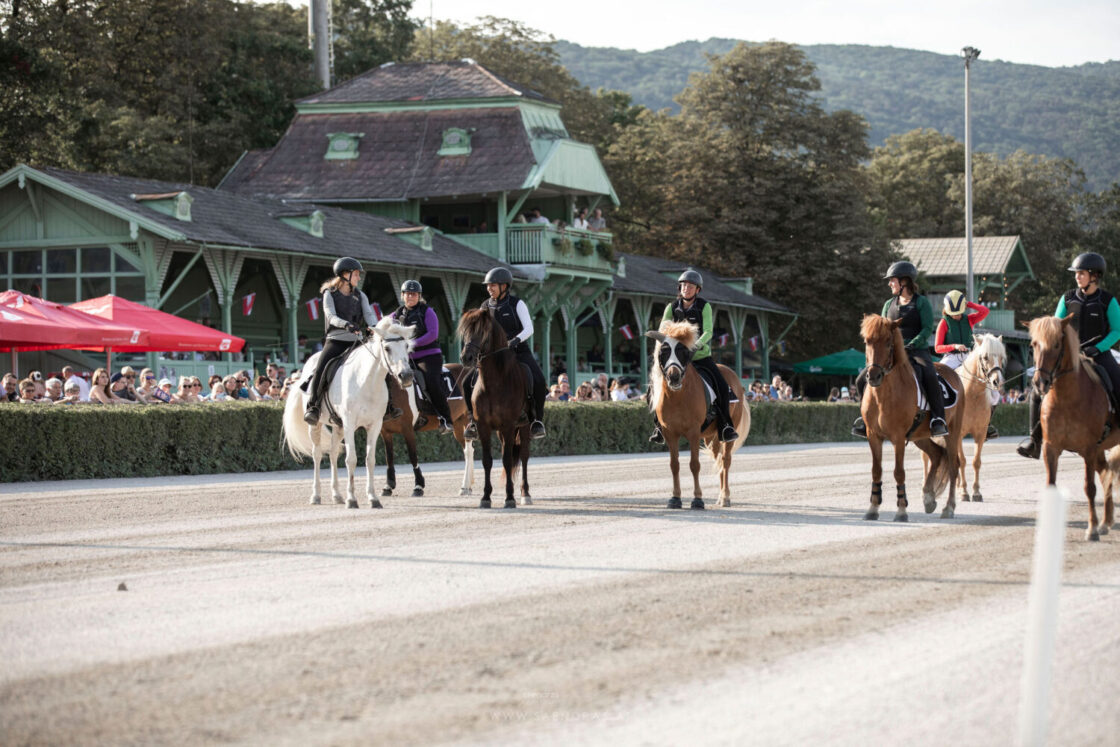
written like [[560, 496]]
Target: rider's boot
[[657, 437], [859, 428], [937, 426], [992, 432], [1031, 448], [311, 414], [727, 431]]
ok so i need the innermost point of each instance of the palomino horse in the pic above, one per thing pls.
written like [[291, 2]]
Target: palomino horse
[[405, 427], [498, 400], [677, 397], [889, 409], [1074, 412], [981, 374], [359, 394]]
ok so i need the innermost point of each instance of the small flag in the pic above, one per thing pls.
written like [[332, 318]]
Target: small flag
[[755, 342], [626, 331], [313, 308], [376, 310], [783, 347], [247, 304], [723, 339]]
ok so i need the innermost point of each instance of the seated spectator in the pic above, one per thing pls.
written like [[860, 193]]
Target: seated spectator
[[598, 394], [72, 394], [245, 385], [119, 390], [834, 394], [284, 389], [786, 395], [581, 364], [185, 393], [275, 391], [595, 354], [210, 382], [232, 387], [218, 392], [99, 387], [565, 387], [584, 393], [264, 384], [553, 393], [520, 218], [163, 391], [11, 387], [620, 392], [70, 375], [27, 393], [54, 389], [36, 378], [146, 387], [845, 394]]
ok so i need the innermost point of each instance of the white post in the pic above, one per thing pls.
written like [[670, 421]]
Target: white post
[[1042, 618], [970, 54]]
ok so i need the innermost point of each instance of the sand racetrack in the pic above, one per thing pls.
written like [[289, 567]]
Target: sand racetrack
[[595, 616]]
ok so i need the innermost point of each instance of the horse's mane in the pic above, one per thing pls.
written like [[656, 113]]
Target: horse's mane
[[388, 326], [1049, 331], [989, 346], [685, 333], [477, 322], [876, 329]]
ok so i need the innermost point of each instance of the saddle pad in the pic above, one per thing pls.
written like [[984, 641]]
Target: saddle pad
[[948, 393], [709, 388], [449, 385]]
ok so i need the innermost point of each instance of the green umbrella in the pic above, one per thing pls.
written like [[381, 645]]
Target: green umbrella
[[843, 363]]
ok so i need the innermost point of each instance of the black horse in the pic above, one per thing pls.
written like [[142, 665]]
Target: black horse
[[499, 399]]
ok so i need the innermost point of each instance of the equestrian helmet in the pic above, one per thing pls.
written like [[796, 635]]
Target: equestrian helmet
[[499, 275], [411, 286], [691, 276], [1090, 261], [901, 270], [954, 302], [346, 265]]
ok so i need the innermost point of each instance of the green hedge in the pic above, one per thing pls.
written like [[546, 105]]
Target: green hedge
[[93, 441]]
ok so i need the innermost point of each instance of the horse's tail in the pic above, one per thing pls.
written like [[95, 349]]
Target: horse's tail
[[296, 435], [945, 468]]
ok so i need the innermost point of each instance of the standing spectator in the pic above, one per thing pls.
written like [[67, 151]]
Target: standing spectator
[[214, 378], [580, 221], [54, 389], [185, 393], [232, 387], [70, 376], [536, 217], [262, 386], [553, 393], [146, 386], [99, 387], [619, 391], [218, 392], [119, 390], [834, 394], [275, 391], [27, 393], [11, 387], [776, 387], [597, 222], [584, 393], [72, 394], [272, 371], [565, 387], [845, 394], [36, 378]]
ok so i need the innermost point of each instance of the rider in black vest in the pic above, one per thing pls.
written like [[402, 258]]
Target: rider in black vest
[[690, 307], [513, 316], [916, 314], [1096, 317], [346, 313], [426, 355]]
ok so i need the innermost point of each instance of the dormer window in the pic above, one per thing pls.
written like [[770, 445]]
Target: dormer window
[[175, 204], [342, 145], [456, 142], [315, 224], [183, 206]]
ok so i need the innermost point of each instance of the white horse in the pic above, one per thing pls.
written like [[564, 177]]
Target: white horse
[[359, 395]]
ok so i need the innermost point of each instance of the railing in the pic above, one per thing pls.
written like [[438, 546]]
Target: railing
[[537, 244], [1001, 319], [169, 368]]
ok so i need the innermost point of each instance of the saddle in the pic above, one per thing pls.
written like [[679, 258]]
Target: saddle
[[949, 395], [423, 399], [328, 375], [710, 398]]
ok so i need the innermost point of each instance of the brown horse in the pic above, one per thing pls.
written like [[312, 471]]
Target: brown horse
[[890, 408], [1074, 413], [405, 427], [676, 395], [498, 400]]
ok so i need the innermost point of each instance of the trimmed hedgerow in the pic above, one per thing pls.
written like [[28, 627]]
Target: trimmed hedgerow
[[94, 441]]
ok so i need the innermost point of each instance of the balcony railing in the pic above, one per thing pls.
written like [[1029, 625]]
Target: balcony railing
[[537, 244]]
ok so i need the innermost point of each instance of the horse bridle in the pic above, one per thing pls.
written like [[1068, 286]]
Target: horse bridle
[[890, 361], [1053, 374]]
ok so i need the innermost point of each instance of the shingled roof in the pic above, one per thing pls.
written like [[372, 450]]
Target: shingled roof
[[397, 157], [657, 276], [423, 81], [224, 219], [946, 257]]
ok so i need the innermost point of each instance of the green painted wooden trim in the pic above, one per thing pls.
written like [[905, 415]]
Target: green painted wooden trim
[[182, 274], [66, 243], [414, 106]]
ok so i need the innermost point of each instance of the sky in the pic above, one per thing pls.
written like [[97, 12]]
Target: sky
[[1038, 32]]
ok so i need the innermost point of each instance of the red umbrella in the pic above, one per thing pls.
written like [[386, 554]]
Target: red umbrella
[[30, 323], [166, 332]]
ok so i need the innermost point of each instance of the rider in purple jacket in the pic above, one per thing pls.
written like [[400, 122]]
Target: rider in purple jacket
[[426, 354]]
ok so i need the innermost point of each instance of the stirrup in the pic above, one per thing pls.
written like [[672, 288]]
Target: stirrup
[[992, 433], [536, 430], [470, 432], [727, 434], [1030, 449], [311, 415], [658, 437], [859, 428], [444, 426], [942, 430], [421, 421]]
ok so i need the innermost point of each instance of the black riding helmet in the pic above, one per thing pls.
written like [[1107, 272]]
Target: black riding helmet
[[346, 265], [1090, 261], [691, 276], [901, 270], [499, 275], [411, 286]]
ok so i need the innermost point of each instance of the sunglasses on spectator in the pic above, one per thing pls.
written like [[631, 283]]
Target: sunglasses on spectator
[[149, 378]]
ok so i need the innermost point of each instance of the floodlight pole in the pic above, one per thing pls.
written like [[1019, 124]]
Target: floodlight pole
[[969, 54]]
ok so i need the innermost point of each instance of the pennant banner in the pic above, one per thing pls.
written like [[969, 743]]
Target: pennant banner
[[247, 304], [754, 342], [313, 309], [723, 339], [626, 331], [376, 310]]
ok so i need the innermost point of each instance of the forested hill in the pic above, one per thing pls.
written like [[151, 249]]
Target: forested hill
[[1071, 112]]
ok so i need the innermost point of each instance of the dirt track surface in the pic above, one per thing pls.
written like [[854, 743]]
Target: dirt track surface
[[595, 616]]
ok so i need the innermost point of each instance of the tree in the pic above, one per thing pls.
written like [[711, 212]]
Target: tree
[[910, 179], [370, 32]]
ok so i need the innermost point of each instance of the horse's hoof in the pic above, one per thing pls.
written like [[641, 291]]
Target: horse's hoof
[[417, 492], [352, 503], [386, 491], [977, 498], [965, 498], [510, 503], [947, 513], [484, 503], [374, 503], [315, 500], [697, 504], [340, 500], [1092, 535], [930, 505], [871, 516], [723, 503], [1103, 529], [674, 503], [901, 517], [463, 492], [526, 500]]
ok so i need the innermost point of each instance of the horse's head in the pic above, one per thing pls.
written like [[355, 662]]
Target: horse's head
[[881, 338], [991, 357], [1052, 344], [396, 342], [480, 335], [676, 343]]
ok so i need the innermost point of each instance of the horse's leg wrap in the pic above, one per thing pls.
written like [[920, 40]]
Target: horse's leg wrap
[[877, 493], [901, 493]]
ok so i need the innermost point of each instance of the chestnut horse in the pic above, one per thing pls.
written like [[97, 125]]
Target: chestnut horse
[[676, 395], [405, 427], [498, 400], [1074, 413], [889, 409], [981, 374]]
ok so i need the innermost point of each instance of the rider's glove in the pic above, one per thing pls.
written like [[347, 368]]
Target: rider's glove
[[1091, 350], [514, 343], [354, 327]]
